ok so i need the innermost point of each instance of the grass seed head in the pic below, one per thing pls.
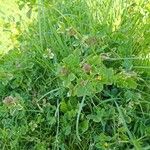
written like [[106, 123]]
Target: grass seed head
[[71, 31]]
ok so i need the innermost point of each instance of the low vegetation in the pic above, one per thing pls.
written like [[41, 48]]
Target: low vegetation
[[78, 77]]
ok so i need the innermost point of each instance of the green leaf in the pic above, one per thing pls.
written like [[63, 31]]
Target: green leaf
[[71, 77], [28, 14], [99, 87], [107, 75], [94, 60], [95, 118], [63, 106], [131, 83], [86, 89], [67, 130], [127, 64], [84, 125], [125, 81], [72, 61]]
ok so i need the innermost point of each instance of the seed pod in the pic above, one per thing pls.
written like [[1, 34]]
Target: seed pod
[[87, 68]]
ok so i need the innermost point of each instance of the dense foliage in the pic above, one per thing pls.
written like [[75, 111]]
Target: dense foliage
[[78, 77]]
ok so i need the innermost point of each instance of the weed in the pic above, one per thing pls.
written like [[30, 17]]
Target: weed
[[78, 77]]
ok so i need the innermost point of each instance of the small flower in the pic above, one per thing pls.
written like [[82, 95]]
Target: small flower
[[86, 68], [51, 55], [106, 144], [48, 54], [99, 78], [69, 94], [90, 40], [9, 101], [33, 125], [45, 56], [83, 83], [17, 64], [64, 71], [129, 74], [131, 105]]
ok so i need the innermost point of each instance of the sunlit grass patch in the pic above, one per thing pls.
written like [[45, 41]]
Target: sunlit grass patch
[[13, 21]]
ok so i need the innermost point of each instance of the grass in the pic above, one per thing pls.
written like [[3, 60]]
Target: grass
[[78, 77]]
